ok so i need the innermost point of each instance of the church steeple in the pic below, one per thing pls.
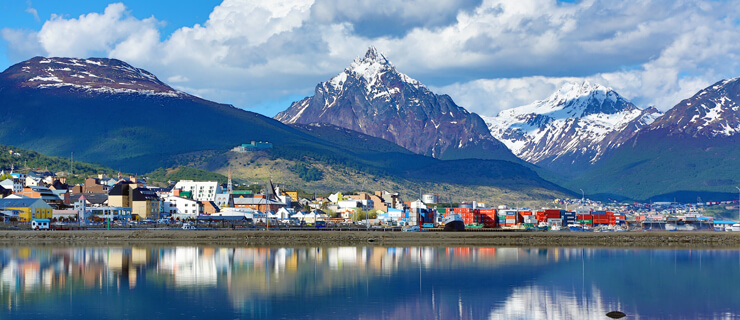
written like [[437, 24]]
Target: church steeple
[[229, 186]]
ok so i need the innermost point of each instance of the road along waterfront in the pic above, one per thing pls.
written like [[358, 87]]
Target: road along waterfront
[[663, 239]]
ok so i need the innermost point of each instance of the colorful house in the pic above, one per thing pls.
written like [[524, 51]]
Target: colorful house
[[28, 208]]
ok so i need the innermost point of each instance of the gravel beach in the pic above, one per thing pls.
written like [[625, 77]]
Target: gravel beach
[[365, 238]]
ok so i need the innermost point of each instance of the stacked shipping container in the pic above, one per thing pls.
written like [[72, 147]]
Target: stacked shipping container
[[488, 217], [491, 218]]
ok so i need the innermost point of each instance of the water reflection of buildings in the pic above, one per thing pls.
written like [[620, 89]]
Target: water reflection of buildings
[[39, 273], [530, 281], [247, 273]]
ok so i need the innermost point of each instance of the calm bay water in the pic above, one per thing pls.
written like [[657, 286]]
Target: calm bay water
[[366, 283]]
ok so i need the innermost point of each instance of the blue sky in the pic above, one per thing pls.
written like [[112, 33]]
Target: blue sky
[[488, 55], [19, 14]]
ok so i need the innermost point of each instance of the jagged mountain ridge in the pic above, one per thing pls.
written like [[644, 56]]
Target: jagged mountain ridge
[[712, 112], [692, 150], [571, 129], [372, 97]]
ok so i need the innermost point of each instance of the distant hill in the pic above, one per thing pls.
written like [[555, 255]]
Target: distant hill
[[22, 160], [693, 150], [107, 111]]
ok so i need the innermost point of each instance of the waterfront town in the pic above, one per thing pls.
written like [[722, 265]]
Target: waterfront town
[[41, 199]]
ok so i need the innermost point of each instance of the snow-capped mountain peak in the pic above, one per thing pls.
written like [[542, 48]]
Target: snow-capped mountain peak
[[92, 75], [372, 97], [712, 112], [578, 122], [371, 69], [574, 100]]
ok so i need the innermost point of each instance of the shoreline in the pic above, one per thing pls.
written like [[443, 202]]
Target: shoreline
[[653, 239]]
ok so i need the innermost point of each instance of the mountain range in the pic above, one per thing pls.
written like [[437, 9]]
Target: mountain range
[[694, 146], [594, 139], [109, 112], [372, 119], [372, 97], [572, 129]]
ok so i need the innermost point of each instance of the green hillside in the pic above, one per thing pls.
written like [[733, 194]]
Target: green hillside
[[23, 160], [184, 173], [398, 170], [667, 167], [141, 133]]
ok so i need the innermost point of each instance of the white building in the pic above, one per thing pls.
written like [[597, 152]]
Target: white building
[[284, 199], [32, 181], [284, 214], [19, 176], [201, 190], [13, 184], [183, 208], [110, 213], [418, 204], [241, 213], [224, 200], [349, 204]]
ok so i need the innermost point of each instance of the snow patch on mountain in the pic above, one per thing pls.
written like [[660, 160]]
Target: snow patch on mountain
[[92, 75], [711, 112], [578, 120], [371, 68], [372, 97]]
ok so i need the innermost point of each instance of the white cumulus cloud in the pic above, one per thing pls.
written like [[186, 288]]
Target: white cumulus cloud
[[488, 55]]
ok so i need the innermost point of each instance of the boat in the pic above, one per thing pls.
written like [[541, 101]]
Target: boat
[[453, 222], [575, 227], [188, 226], [679, 226], [411, 229]]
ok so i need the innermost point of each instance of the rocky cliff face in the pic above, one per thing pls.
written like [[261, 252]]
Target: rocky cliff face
[[372, 97], [571, 129]]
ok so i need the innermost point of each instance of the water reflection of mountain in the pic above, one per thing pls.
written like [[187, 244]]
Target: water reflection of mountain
[[350, 282]]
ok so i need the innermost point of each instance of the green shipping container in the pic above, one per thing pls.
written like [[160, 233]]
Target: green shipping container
[[528, 225], [586, 221]]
